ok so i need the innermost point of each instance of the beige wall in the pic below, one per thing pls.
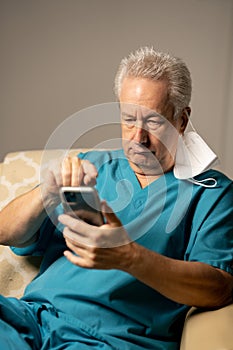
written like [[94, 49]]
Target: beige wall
[[59, 56]]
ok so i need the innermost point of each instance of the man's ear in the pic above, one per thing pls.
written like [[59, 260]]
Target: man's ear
[[185, 114]]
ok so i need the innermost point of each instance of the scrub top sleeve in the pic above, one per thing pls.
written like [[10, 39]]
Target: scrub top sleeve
[[82, 155], [212, 240]]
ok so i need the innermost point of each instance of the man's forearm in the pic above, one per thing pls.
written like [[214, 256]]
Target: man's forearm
[[190, 283], [21, 219]]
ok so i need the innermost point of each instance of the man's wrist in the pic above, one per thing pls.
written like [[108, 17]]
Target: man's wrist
[[49, 200], [132, 258]]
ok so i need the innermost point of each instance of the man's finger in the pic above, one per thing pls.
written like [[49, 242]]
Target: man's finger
[[66, 171], [77, 172], [90, 172], [110, 216], [74, 224]]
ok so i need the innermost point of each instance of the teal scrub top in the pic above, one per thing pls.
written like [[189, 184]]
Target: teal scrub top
[[172, 217]]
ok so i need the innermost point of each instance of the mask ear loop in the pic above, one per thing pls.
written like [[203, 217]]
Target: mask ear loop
[[189, 122], [204, 182]]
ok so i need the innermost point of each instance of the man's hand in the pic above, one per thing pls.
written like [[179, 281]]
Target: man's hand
[[72, 171], [109, 247], [30, 209], [104, 247]]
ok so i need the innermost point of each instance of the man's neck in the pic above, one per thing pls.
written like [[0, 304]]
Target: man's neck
[[146, 180], [147, 176]]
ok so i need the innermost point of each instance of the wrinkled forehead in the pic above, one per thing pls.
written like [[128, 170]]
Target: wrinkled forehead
[[139, 111]]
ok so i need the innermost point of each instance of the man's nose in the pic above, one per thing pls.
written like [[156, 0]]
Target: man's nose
[[140, 135]]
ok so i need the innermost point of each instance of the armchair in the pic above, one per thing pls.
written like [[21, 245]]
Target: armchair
[[203, 330]]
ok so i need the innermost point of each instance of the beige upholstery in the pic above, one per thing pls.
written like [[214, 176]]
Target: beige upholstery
[[209, 330], [20, 171]]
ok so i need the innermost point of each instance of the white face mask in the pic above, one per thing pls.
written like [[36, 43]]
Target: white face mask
[[193, 157]]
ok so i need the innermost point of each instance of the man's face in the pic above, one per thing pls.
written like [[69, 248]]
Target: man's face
[[149, 133]]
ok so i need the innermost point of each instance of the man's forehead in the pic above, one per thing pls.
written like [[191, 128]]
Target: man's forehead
[[128, 109]]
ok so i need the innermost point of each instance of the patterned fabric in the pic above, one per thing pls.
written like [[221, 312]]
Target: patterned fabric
[[19, 172]]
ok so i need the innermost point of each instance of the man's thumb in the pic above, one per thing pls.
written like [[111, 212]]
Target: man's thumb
[[109, 215]]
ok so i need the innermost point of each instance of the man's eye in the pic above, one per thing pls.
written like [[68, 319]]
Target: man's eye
[[129, 121], [151, 123]]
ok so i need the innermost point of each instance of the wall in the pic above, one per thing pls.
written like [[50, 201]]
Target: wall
[[60, 56]]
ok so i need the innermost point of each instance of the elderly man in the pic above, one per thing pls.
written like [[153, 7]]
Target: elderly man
[[166, 243]]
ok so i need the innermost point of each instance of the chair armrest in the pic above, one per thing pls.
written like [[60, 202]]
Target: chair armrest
[[208, 330]]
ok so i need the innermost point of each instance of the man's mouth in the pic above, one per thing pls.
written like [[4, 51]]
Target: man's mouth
[[141, 150]]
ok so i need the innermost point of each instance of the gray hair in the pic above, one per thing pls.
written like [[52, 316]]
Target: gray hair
[[148, 63]]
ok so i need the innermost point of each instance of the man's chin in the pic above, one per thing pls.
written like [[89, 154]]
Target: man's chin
[[146, 159], [143, 165]]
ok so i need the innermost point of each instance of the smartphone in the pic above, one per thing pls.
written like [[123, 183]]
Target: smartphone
[[83, 203]]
